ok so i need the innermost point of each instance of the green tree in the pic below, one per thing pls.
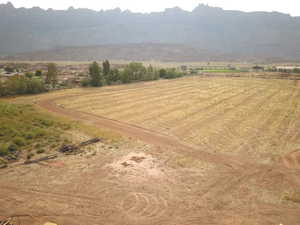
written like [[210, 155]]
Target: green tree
[[96, 75], [125, 76], [113, 76], [152, 74], [162, 73], [51, 76], [21, 85], [106, 68], [9, 69], [38, 73], [29, 75], [35, 86]]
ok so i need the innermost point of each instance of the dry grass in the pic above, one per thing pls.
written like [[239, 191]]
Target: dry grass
[[256, 116]]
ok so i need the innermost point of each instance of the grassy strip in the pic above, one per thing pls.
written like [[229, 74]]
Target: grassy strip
[[23, 128]]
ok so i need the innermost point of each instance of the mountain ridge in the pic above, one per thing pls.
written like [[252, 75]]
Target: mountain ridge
[[249, 35]]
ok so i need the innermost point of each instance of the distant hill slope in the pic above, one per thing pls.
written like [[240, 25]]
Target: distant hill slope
[[257, 35], [143, 52]]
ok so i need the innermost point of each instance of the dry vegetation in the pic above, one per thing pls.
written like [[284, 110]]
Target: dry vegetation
[[256, 117]]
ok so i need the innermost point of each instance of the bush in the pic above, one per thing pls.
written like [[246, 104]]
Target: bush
[[38, 145], [162, 73], [85, 82], [40, 133], [38, 73], [19, 141], [13, 147], [29, 75], [29, 135], [4, 149]]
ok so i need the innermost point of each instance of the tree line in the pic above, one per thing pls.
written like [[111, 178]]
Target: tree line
[[34, 83], [133, 72]]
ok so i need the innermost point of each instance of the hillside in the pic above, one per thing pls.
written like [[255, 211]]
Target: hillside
[[210, 30], [144, 52]]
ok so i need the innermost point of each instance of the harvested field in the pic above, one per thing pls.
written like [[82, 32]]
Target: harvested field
[[209, 151], [253, 117]]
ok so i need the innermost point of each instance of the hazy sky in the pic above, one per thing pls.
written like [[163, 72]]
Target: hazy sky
[[287, 6]]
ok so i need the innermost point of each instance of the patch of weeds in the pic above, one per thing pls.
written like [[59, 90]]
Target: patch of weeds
[[40, 133], [29, 135], [13, 147], [4, 149], [38, 145], [19, 141]]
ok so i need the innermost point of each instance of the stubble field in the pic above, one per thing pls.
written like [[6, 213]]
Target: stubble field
[[257, 117]]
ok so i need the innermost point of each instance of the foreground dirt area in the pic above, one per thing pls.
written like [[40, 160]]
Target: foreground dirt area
[[201, 151]]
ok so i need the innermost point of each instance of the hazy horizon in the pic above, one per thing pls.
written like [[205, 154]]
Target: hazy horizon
[[289, 6]]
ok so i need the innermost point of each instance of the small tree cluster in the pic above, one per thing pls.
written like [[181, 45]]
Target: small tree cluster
[[9, 69], [21, 85], [133, 72], [96, 76], [169, 73]]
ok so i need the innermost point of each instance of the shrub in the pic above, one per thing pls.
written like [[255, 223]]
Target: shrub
[[29, 135], [4, 149], [40, 133], [38, 73], [85, 82], [13, 147], [29, 75], [19, 141], [38, 145], [22, 85]]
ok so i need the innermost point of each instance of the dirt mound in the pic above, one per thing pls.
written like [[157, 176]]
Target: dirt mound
[[138, 167]]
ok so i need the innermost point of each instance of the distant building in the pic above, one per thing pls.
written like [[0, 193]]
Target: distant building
[[287, 68]]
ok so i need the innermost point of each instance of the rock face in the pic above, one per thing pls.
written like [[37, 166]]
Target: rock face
[[238, 34]]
